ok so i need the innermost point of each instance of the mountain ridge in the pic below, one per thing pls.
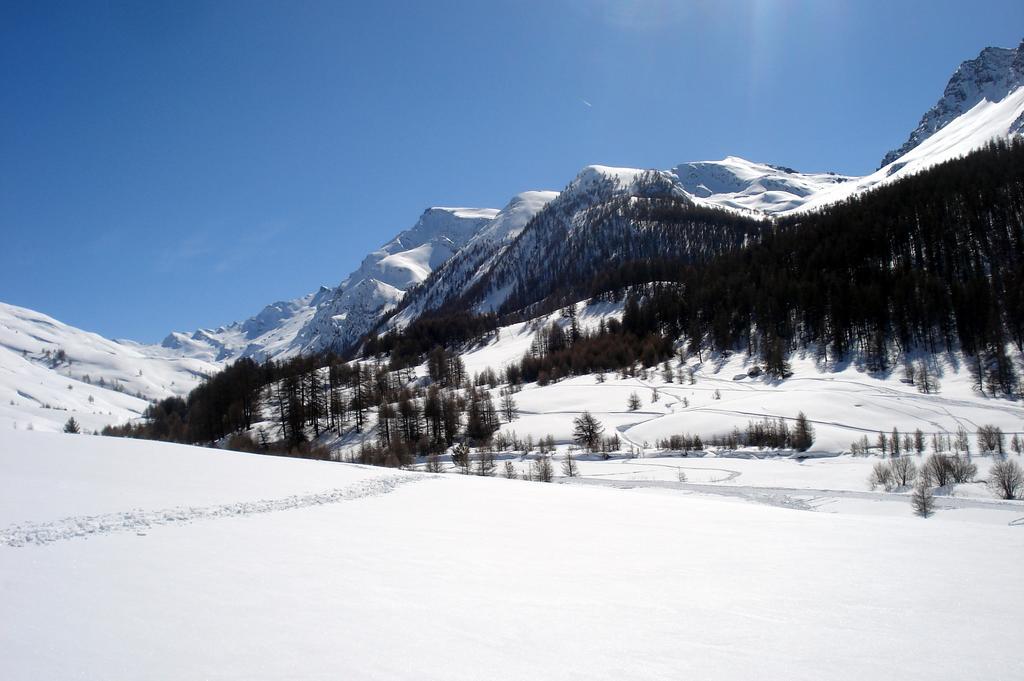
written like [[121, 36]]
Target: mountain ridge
[[991, 76]]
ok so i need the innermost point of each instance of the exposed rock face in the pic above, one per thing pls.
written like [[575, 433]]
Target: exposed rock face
[[995, 73]]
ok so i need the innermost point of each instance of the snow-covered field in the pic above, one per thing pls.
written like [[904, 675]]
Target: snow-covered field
[[216, 565], [843, 402]]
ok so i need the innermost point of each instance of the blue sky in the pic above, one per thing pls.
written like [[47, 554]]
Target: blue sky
[[176, 165]]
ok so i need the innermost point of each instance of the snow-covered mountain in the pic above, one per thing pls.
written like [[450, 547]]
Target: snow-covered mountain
[[603, 215], [481, 256], [990, 77], [336, 317], [475, 259], [50, 371], [385, 275], [487, 258], [269, 333], [737, 183], [985, 121]]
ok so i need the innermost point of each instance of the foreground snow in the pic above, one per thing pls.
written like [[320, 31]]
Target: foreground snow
[[463, 578]]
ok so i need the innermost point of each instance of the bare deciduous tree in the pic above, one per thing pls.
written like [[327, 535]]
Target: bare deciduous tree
[[963, 469], [937, 470], [433, 463], [483, 463], [542, 469], [510, 471], [990, 439], [904, 471], [1007, 479], [881, 476], [569, 467]]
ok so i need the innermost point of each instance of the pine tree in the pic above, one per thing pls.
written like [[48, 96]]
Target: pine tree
[[72, 426], [587, 430], [923, 500], [803, 433], [633, 403]]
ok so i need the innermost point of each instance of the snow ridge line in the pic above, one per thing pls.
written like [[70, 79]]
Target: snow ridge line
[[138, 520]]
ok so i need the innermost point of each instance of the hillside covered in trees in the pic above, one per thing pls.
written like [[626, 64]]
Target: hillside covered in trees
[[930, 264]]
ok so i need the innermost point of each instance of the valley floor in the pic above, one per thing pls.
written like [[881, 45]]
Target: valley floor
[[130, 559]]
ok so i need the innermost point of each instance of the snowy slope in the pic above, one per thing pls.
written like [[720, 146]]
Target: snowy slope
[[163, 561], [844, 403], [384, 275], [758, 187], [984, 122], [990, 77], [337, 317], [476, 258], [49, 370]]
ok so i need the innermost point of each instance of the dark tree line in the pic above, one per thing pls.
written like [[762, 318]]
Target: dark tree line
[[935, 261]]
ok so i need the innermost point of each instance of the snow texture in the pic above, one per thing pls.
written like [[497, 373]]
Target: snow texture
[[459, 577]]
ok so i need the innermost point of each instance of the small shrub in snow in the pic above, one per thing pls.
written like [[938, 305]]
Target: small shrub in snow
[[881, 476], [242, 442], [898, 472], [510, 471], [433, 463]]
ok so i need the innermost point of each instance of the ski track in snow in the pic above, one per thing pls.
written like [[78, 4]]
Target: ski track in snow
[[934, 403], [805, 499], [139, 520]]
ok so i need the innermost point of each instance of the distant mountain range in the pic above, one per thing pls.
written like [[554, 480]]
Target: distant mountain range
[[486, 259], [450, 250]]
